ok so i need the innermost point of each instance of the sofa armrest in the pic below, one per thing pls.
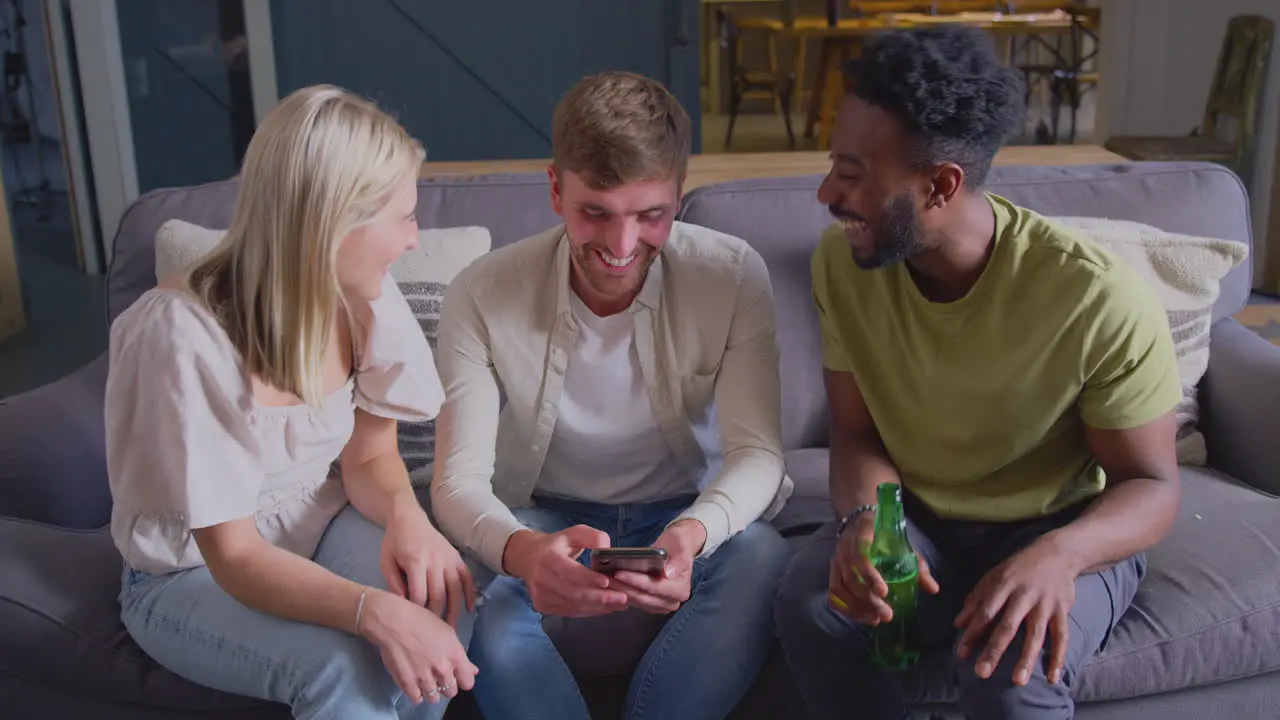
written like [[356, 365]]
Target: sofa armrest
[[53, 465], [1240, 406]]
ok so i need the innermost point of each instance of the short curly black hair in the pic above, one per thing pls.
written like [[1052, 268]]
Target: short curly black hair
[[945, 83]]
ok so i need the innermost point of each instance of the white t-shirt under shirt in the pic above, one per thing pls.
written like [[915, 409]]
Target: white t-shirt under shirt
[[606, 446]]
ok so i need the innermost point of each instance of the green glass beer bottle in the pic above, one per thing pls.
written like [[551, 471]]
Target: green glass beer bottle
[[895, 644]]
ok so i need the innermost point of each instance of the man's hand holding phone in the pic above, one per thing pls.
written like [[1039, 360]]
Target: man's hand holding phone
[[665, 593], [559, 584]]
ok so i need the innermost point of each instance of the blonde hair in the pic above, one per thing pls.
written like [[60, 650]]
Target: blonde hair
[[617, 127], [323, 162]]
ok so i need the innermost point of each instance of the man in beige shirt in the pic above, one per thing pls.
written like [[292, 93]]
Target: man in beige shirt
[[639, 366]]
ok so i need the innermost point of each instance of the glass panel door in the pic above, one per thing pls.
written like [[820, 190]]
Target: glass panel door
[[169, 92], [190, 97]]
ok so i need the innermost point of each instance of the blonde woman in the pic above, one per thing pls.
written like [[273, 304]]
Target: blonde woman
[[255, 563]]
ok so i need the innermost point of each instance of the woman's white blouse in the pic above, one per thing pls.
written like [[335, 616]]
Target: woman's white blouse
[[188, 447]]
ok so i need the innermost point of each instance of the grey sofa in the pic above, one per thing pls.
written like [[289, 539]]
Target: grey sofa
[[1202, 640]]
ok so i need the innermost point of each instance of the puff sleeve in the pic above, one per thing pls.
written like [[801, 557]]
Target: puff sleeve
[[181, 452], [395, 369]]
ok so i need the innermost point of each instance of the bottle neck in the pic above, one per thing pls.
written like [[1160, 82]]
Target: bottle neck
[[891, 520]]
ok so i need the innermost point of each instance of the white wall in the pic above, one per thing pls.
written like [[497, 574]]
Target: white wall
[[1156, 64]]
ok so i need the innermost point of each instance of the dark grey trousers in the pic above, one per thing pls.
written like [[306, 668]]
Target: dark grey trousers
[[829, 654]]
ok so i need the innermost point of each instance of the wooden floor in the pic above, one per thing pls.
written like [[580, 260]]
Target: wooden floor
[[1263, 317]]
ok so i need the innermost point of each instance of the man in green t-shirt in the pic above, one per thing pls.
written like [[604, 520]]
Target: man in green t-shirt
[[1018, 380]]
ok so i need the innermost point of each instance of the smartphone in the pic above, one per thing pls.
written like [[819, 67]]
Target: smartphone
[[650, 561]]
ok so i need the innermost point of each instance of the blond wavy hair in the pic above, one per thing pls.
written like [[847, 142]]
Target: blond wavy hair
[[323, 162]]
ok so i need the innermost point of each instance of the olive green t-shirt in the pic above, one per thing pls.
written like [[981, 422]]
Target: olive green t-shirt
[[982, 403]]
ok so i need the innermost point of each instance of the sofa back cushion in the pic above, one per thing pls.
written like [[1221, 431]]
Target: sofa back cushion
[[783, 220], [511, 206]]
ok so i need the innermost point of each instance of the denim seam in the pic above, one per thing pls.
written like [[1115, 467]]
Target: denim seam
[[160, 621], [669, 635]]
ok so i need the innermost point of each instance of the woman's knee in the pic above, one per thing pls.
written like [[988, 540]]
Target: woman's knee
[[346, 679], [352, 547]]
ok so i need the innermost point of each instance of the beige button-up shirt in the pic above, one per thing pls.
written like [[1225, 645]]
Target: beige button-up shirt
[[704, 334]]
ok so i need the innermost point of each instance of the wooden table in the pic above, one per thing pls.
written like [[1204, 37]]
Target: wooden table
[[719, 167]]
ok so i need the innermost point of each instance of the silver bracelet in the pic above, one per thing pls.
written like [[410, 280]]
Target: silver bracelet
[[360, 608], [854, 513]]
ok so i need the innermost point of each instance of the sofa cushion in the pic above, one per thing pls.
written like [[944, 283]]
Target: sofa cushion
[[52, 442], [1209, 609], [810, 503], [61, 620], [783, 220], [422, 274]]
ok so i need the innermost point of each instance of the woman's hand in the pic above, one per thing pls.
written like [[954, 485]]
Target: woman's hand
[[422, 566], [421, 652]]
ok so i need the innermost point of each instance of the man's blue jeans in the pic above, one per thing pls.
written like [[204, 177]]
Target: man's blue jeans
[[699, 666]]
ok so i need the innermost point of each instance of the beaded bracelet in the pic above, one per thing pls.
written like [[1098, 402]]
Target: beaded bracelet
[[844, 521]]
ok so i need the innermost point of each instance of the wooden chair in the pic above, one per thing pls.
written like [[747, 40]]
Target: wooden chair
[[1069, 72], [746, 82], [1235, 93]]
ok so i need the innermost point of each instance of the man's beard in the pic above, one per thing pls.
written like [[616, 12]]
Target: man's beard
[[895, 236]]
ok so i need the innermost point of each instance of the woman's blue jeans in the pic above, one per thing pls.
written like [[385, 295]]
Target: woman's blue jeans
[[188, 624]]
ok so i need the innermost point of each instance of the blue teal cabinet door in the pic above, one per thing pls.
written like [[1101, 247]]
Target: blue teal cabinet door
[[478, 79]]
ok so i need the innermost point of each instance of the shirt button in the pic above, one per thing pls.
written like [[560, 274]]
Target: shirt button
[[546, 406], [534, 448]]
